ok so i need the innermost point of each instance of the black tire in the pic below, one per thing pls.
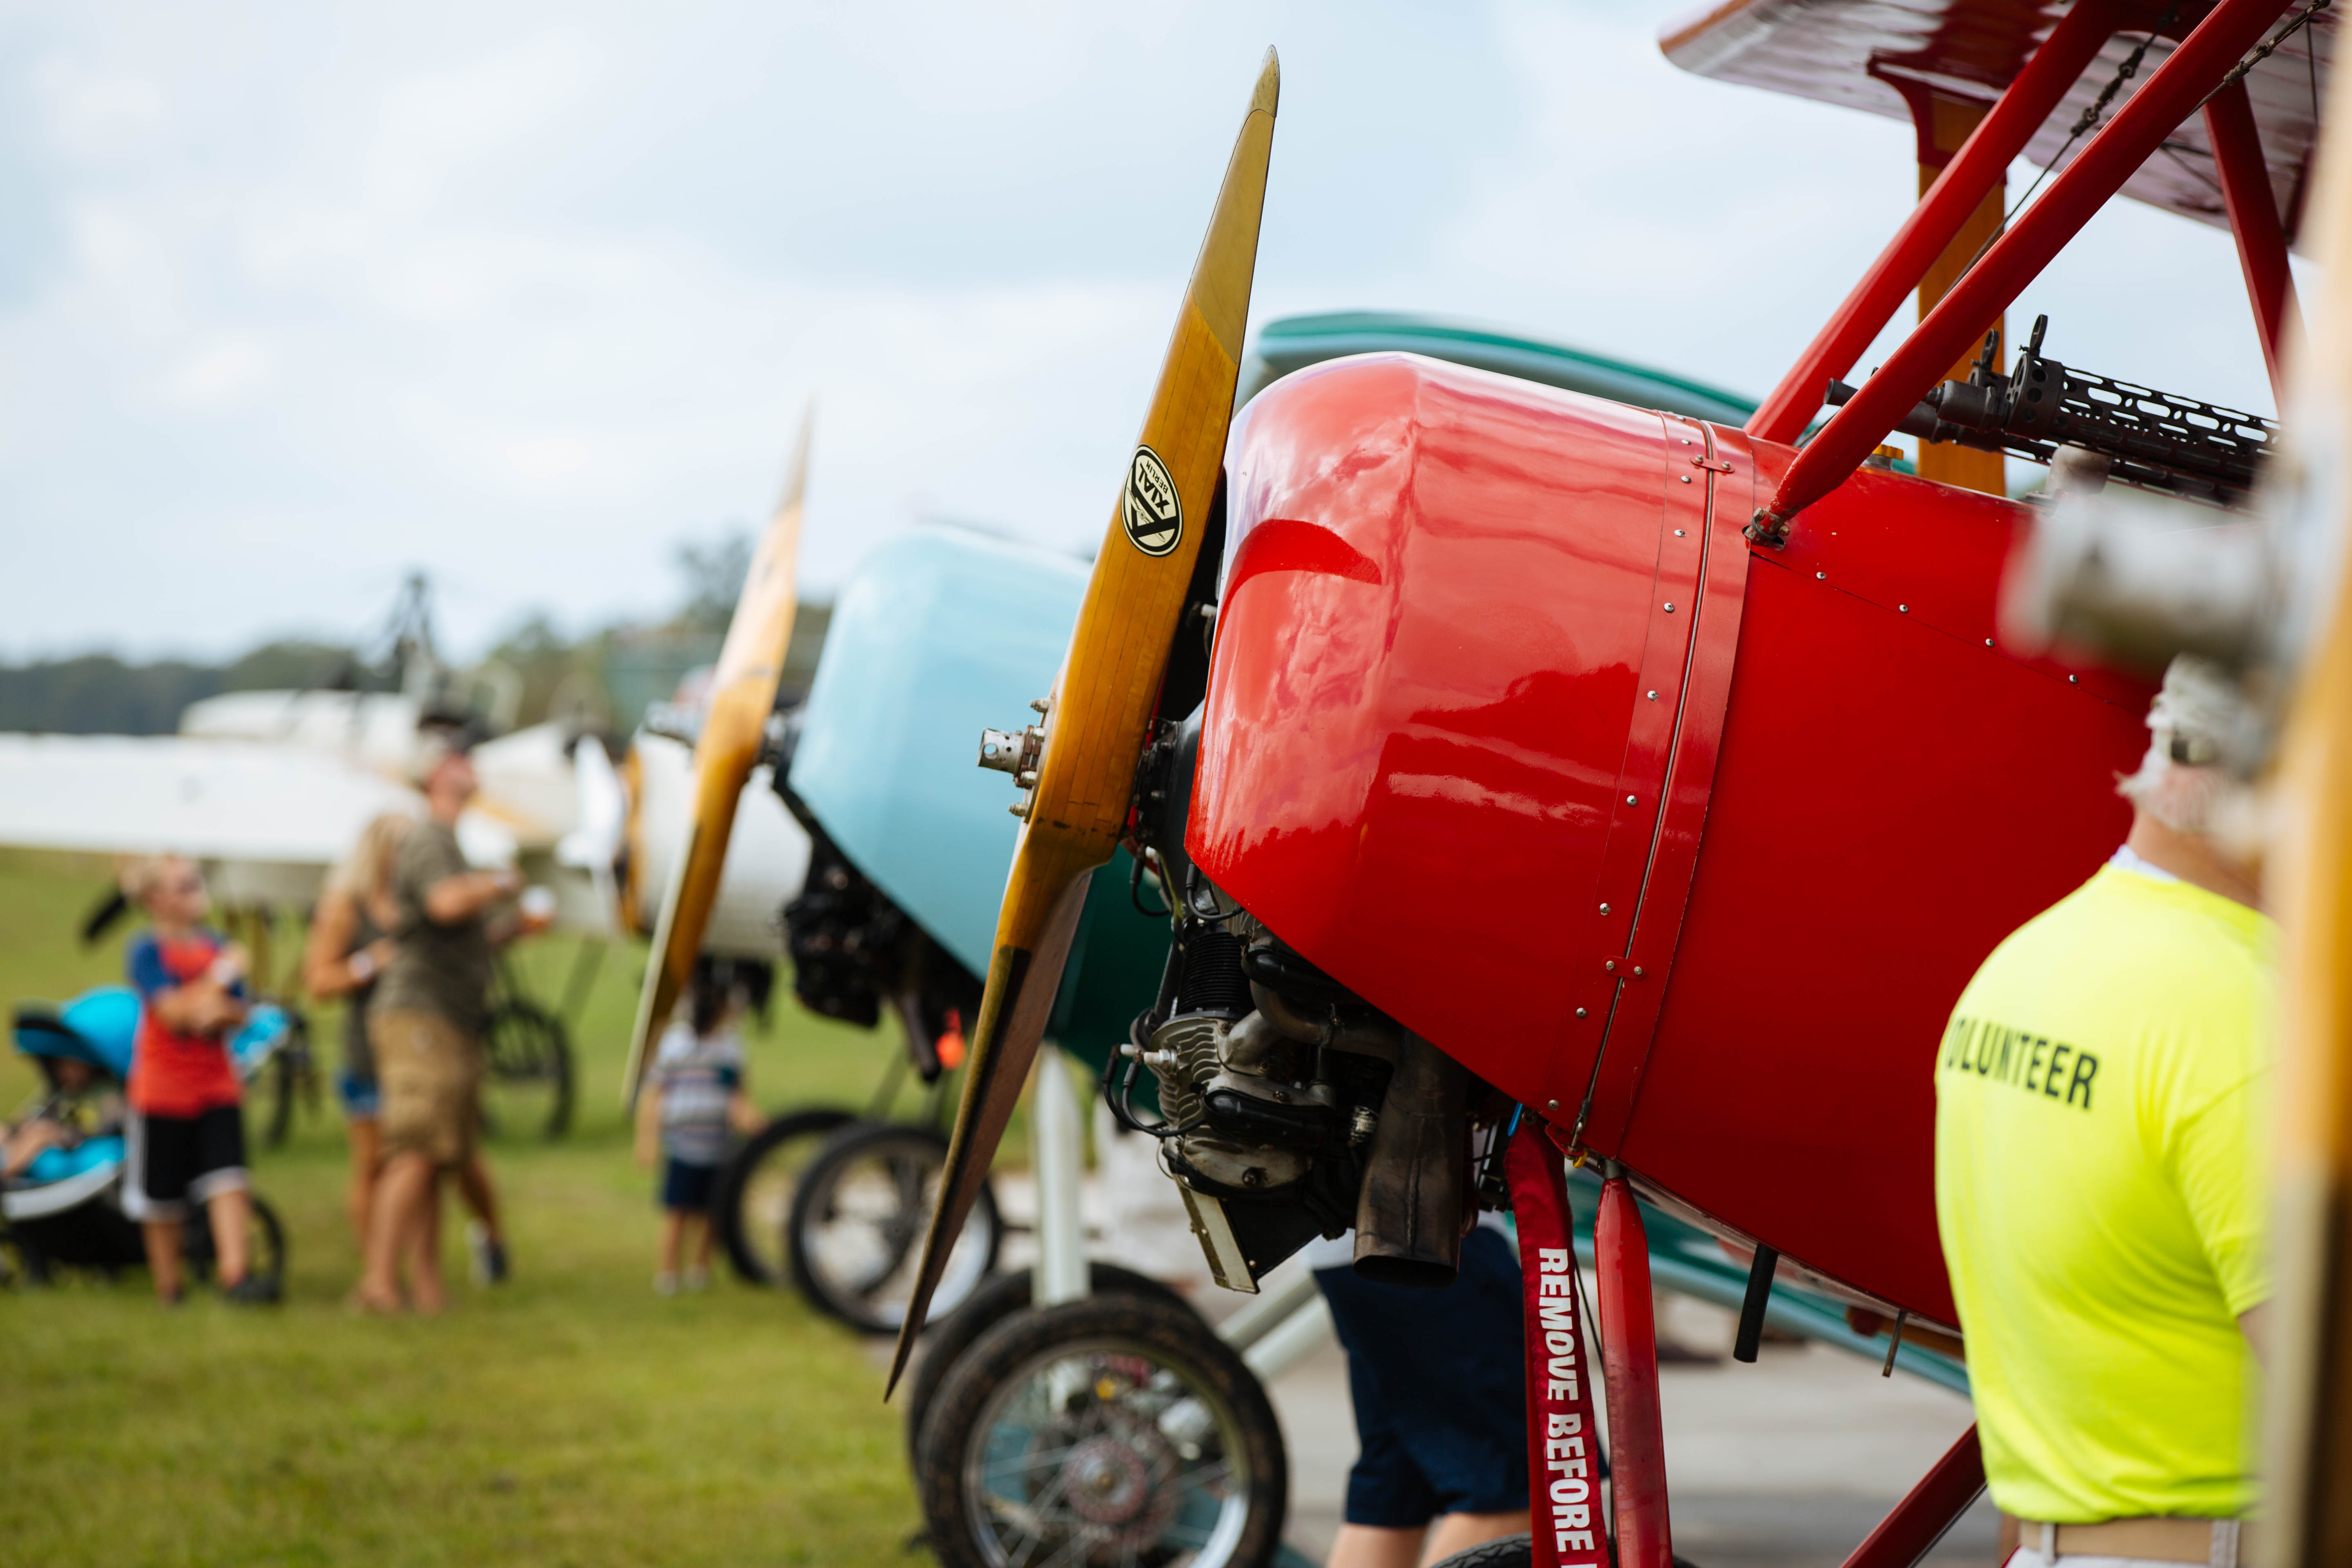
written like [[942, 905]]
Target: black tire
[[293, 1076], [266, 1247], [1508, 1551], [269, 1244], [527, 1082], [1106, 1440], [281, 1100], [23, 1265], [858, 1216], [948, 1336], [752, 1203]]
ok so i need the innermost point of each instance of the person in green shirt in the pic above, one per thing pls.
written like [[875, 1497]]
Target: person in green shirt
[[426, 1022], [2100, 1177]]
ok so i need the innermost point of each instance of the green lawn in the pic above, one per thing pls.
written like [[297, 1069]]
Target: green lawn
[[570, 1417]]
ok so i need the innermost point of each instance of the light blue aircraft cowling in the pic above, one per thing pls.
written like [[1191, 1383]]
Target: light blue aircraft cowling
[[940, 634]]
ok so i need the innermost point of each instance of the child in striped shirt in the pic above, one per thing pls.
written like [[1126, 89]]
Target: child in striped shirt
[[695, 1096]]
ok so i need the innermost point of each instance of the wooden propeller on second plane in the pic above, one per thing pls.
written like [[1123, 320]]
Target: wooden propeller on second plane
[[1096, 720], [742, 696]]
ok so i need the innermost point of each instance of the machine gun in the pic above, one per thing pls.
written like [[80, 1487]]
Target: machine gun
[[2154, 441]]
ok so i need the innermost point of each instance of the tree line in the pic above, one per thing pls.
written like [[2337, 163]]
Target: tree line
[[604, 680]]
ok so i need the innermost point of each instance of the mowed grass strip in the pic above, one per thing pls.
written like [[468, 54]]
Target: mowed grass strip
[[569, 1417]]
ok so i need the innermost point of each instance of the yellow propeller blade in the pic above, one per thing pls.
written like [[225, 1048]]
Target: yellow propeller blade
[[1102, 702], [742, 695]]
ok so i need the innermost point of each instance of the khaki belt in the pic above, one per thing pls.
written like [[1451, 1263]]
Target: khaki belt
[[2217, 1542]]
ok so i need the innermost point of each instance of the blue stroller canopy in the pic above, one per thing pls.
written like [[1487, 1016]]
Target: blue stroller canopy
[[98, 1026], [101, 1027]]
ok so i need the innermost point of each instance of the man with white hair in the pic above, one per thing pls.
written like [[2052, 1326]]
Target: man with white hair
[[2099, 1178]]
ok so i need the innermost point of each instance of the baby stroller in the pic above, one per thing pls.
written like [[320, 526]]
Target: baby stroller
[[64, 1209]]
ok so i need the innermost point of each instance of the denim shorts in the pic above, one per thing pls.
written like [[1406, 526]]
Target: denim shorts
[[362, 1100], [1439, 1382]]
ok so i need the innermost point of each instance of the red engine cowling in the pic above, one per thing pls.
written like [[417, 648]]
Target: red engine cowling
[[1688, 847]]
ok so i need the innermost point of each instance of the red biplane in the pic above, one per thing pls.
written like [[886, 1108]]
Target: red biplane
[[1572, 777]]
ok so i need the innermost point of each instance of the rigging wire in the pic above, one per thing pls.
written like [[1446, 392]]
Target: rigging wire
[[2086, 122], [2091, 116], [2238, 72], [2180, 155], [2097, 110], [2311, 64]]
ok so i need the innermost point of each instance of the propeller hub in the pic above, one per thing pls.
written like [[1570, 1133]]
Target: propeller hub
[[1014, 751]]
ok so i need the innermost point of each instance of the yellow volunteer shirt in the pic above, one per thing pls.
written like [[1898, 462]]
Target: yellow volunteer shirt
[[2100, 1180]]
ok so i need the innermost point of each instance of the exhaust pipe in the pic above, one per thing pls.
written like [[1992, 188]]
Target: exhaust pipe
[[1409, 1214]]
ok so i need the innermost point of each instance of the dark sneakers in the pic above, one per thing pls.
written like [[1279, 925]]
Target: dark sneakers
[[253, 1290], [489, 1255]]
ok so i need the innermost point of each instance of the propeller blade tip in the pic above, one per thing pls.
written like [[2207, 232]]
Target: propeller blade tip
[[796, 474], [1269, 83]]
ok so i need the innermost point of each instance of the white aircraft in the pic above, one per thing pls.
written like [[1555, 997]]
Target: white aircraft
[[270, 789]]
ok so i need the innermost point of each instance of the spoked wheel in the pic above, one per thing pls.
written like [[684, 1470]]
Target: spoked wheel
[[1115, 1430], [265, 1245], [949, 1335], [753, 1203], [858, 1224], [527, 1087]]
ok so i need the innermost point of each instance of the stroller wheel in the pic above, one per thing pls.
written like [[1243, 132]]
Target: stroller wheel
[[22, 1264]]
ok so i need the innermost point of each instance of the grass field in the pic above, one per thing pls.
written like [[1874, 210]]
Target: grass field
[[569, 1417]]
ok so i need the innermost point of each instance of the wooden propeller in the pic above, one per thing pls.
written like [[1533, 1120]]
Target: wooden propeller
[[742, 695], [1096, 720]]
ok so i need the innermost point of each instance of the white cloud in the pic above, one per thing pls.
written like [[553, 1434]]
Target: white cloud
[[94, 116], [441, 124], [217, 375], [119, 253]]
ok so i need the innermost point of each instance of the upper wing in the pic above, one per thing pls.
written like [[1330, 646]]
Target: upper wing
[[1868, 54]]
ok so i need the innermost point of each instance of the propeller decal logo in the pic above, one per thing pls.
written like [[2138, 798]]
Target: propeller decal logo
[[1150, 509]]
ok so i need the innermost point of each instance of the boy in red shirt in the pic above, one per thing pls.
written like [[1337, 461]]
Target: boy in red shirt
[[186, 1132]]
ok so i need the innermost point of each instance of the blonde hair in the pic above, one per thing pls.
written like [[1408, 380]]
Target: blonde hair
[[140, 877], [364, 870]]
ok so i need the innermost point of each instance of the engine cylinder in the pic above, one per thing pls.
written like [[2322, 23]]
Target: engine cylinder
[[1212, 981]]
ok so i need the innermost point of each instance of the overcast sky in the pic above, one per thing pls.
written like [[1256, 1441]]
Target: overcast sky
[[294, 297]]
